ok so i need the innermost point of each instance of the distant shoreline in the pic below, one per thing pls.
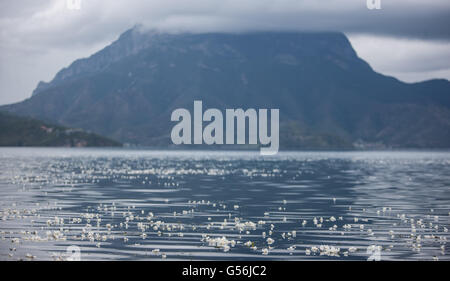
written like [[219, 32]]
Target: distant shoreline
[[151, 148]]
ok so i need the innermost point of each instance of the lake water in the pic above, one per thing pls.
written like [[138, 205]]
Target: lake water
[[108, 204]]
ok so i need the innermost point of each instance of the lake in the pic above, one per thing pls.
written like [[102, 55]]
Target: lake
[[135, 204]]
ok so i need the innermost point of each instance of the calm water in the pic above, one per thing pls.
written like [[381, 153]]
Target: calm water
[[139, 204]]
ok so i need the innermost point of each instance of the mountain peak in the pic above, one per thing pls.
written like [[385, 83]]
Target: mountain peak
[[326, 94], [138, 38]]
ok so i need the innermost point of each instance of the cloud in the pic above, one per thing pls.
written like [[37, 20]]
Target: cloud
[[50, 22], [38, 37], [406, 59]]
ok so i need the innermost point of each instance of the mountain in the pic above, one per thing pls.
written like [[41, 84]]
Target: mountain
[[22, 131], [328, 97]]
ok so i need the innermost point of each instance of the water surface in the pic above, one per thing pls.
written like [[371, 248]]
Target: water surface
[[213, 205]]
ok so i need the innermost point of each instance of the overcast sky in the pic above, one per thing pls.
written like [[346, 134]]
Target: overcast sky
[[409, 39]]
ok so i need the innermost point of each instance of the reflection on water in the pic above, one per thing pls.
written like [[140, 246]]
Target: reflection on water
[[139, 204]]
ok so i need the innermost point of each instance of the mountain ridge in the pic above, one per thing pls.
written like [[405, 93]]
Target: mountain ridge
[[23, 131], [128, 89]]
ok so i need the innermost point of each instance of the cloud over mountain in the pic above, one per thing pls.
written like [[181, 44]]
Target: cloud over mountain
[[38, 37]]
